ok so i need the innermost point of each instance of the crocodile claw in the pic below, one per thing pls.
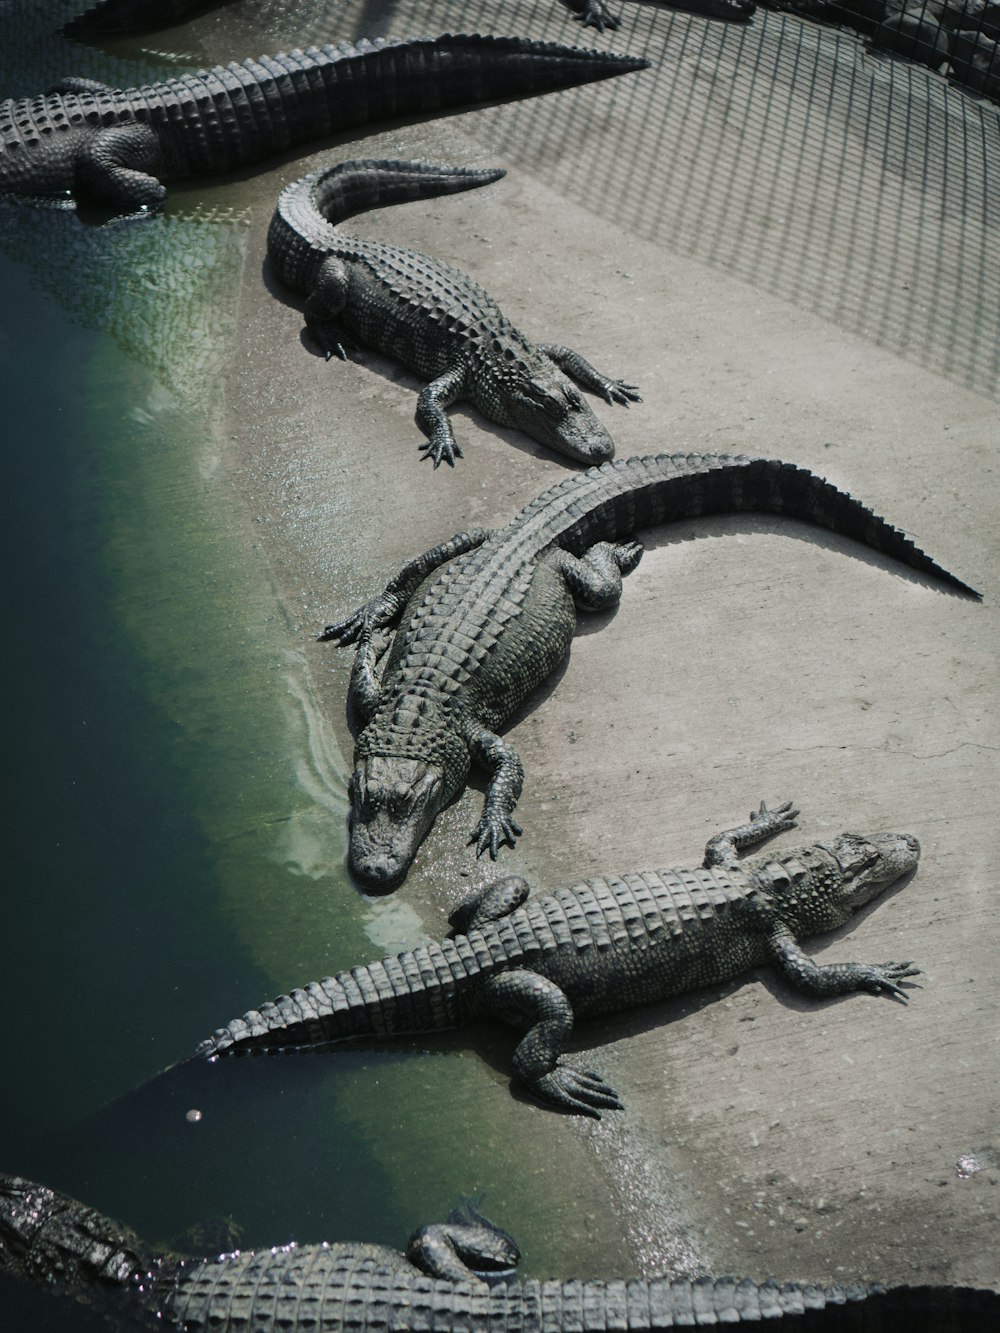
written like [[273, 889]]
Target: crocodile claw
[[442, 449], [580, 1091], [781, 817], [595, 14], [493, 832], [881, 979], [617, 391]]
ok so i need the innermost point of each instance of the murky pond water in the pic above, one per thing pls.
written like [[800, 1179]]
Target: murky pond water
[[175, 803]]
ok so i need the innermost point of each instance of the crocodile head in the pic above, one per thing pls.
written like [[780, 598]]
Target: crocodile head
[[394, 802], [48, 1237], [531, 393], [820, 887]]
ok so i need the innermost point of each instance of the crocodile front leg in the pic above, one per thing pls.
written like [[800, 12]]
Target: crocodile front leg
[[384, 611], [115, 165], [496, 826], [578, 368], [526, 1000], [836, 978], [723, 849], [364, 691], [431, 418]]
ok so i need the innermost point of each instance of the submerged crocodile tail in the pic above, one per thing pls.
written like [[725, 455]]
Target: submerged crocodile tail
[[416, 991], [642, 492]]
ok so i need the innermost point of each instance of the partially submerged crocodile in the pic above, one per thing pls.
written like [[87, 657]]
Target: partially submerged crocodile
[[482, 619], [115, 144], [443, 1282], [601, 946], [432, 317], [117, 16]]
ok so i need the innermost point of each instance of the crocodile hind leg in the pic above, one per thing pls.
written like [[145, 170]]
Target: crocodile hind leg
[[526, 1000], [115, 165], [578, 368], [491, 903], [723, 849], [383, 611], [595, 578], [461, 1250], [326, 301]]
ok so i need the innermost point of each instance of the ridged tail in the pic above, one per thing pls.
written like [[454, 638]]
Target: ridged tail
[[416, 991], [616, 499], [661, 1303], [216, 118], [309, 208]]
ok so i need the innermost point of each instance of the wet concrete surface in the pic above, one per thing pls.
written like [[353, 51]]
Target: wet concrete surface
[[750, 659]]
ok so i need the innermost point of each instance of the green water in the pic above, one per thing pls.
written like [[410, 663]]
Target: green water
[[175, 805]]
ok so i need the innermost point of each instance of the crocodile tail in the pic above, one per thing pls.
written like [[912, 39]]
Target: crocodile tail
[[428, 74], [352, 187], [662, 1303], [416, 991], [642, 492]]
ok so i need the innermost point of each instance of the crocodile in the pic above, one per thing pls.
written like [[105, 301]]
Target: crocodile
[[455, 1277], [479, 621], [601, 946], [596, 14], [111, 17], [114, 144], [432, 317]]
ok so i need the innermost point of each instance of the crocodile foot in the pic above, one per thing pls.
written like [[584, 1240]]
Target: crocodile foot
[[774, 821], [579, 1090], [617, 391], [493, 832], [881, 978]]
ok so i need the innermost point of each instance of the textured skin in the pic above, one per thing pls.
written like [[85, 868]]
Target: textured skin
[[601, 946], [344, 1288], [116, 144], [428, 315], [481, 620]]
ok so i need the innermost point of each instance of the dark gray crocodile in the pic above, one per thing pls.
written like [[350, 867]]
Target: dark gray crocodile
[[114, 144], [116, 16], [482, 619], [432, 317], [597, 14], [453, 1278], [599, 947]]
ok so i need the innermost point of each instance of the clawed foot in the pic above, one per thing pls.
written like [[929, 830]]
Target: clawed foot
[[595, 14], [881, 978], [331, 340], [617, 391], [493, 832], [628, 555], [377, 614], [442, 448], [776, 820], [578, 1090]]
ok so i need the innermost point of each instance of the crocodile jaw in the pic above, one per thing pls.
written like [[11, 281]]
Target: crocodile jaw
[[394, 802]]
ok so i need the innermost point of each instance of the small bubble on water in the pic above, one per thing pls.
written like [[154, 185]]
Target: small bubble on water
[[192, 1116]]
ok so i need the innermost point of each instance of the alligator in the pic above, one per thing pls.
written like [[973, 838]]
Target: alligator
[[484, 618], [111, 17], [596, 14], [455, 1277], [114, 144], [432, 317], [601, 946]]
